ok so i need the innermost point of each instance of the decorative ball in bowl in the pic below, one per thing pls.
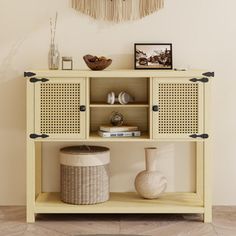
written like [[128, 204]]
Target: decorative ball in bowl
[[97, 63]]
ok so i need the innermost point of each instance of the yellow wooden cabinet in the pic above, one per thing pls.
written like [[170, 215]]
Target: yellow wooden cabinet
[[71, 105]]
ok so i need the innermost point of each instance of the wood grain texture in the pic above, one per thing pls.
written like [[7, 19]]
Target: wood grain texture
[[119, 73], [124, 203]]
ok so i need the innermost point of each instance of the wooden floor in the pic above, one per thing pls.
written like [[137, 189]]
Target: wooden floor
[[12, 222]]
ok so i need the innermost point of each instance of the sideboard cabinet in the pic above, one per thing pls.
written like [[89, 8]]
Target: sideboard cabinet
[[71, 105]]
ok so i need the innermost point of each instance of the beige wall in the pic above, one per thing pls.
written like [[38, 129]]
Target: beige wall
[[203, 34]]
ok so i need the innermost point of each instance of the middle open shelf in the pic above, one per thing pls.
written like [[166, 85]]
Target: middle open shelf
[[135, 113], [133, 116], [137, 88]]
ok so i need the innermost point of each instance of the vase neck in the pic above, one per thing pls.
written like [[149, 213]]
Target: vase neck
[[53, 47], [151, 159]]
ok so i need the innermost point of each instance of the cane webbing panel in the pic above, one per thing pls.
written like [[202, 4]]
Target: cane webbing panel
[[60, 108], [178, 108], [84, 185]]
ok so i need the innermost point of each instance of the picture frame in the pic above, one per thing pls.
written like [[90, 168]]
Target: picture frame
[[153, 56]]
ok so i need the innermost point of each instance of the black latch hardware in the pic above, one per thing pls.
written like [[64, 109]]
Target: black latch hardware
[[209, 74], [39, 136], [204, 136], [203, 80], [29, 74], [155, 108], [34, 80], [82, 108]]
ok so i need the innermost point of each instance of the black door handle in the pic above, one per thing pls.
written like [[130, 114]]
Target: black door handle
[[82, 108], [39, 136], [204, 136], [155, 108]]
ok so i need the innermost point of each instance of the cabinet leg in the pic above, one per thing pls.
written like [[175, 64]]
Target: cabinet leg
[[30, 216], [208, 216]]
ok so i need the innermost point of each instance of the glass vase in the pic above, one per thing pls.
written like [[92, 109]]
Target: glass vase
[[53, 58]]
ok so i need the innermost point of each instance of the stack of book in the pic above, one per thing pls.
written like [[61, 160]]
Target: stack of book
[[107, 131]]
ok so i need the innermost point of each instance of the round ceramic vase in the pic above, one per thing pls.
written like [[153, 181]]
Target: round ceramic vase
[[150, 183]]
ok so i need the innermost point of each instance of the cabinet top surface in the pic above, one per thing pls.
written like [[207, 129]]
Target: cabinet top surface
[[118, 73]]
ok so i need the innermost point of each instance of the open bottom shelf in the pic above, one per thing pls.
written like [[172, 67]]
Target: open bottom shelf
[[123, 203]]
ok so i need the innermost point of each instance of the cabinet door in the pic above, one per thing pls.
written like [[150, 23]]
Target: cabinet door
[[60, 108], [178, 111]]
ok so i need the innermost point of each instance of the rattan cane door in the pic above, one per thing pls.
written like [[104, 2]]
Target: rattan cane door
[[179, 111], [60, 108]]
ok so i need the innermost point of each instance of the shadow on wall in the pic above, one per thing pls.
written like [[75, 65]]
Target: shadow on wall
[[125, 61], [12, 130]]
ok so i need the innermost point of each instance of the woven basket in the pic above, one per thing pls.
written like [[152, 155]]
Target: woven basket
[[84, 174]]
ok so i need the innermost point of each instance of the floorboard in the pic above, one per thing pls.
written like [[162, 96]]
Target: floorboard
[[12, 222]]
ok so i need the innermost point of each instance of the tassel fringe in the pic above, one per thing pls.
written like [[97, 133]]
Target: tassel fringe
[[117, 10]]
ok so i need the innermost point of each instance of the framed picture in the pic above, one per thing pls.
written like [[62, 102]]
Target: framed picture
[[157, 56]]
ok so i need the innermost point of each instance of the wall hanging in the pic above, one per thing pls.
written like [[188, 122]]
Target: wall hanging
[[117, 10]]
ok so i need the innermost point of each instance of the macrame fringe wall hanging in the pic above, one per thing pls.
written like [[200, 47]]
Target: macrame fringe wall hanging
[[117, 10]]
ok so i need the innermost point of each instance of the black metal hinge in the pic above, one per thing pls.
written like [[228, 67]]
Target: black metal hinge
[[39, 136], [204, 136], [82, 108], [34, 80], [155, 108], [203, 80], [209, 74], [29, 74]]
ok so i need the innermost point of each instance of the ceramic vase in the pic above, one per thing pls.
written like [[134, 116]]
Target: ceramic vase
[[150, 183]]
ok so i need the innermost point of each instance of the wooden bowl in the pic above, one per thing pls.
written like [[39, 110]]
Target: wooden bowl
[[97, 63]]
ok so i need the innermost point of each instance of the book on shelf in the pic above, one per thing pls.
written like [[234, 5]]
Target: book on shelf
[[124, 128], [105, 134]]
